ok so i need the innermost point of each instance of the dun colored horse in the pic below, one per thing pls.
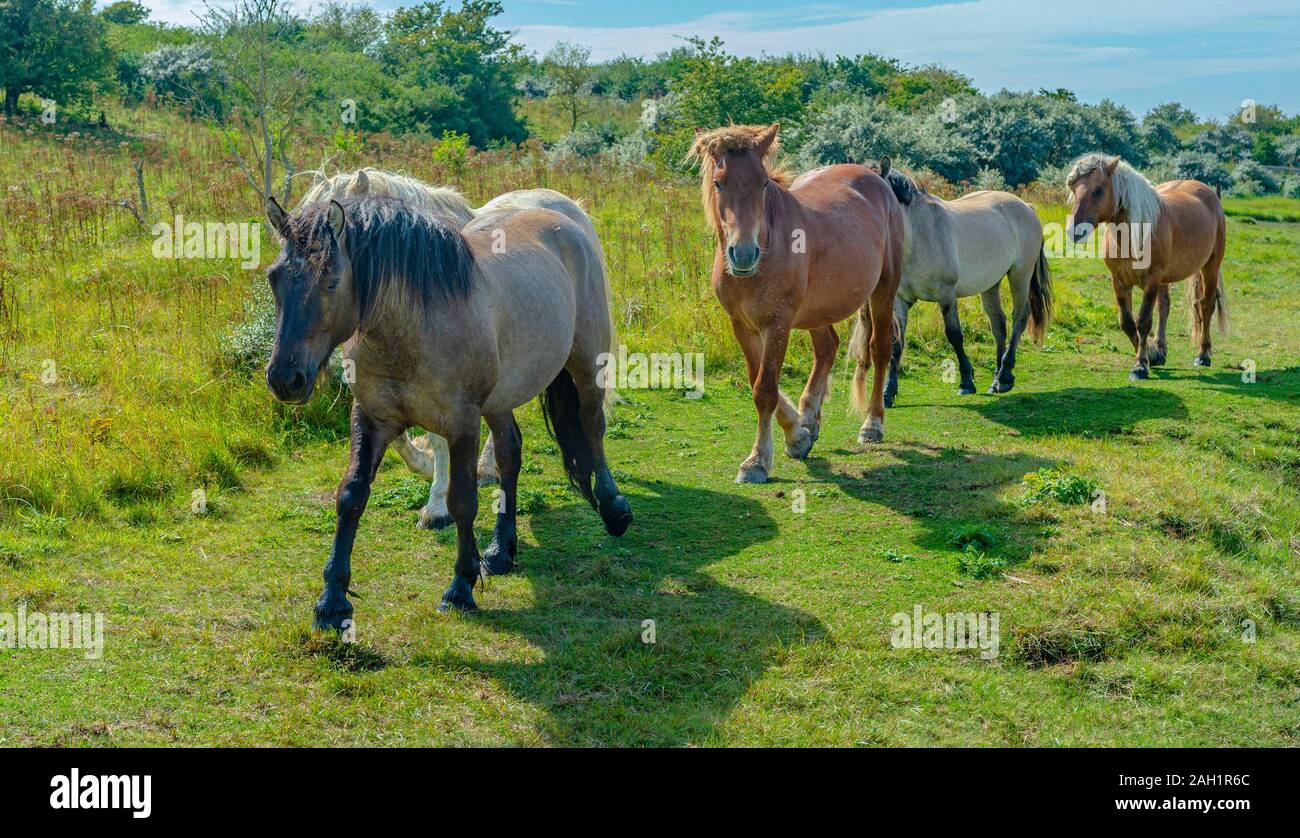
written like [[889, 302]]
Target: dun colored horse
[[801, 255], [428, 455], [962, 248], [445, 328], [1156, 236]]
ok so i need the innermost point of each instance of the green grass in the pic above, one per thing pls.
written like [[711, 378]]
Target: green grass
[[1126, 626]]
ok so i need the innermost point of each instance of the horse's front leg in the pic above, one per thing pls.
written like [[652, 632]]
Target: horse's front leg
[[462, 502], [1142, 366], [768, 400], [499, 558], [826, 347], [901, 310], [369, 439], [952, 330]]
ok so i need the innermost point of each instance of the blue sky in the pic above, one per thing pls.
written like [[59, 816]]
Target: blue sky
[[1208, 54]]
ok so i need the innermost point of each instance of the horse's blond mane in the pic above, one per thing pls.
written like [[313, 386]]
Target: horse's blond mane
[[443, 200], [710, 145], [1135, 197]]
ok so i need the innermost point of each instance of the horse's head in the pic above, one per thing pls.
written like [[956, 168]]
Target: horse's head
[[736, 179], [315, 307], [1093, 195]]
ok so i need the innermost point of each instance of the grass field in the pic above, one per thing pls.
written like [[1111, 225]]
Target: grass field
[[1173, 617]]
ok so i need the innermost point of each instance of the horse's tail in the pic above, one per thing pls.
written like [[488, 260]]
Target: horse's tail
[[1040, 297], [562, 415], [1221, 308]]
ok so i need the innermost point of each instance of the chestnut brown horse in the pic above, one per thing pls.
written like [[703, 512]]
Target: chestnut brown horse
[[1155, 236], [801, 255]]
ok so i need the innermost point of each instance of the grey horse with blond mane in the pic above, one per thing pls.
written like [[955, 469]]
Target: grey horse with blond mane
[[427, 455]]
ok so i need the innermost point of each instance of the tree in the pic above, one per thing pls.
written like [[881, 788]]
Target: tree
[[54, 48], [125, 13], [249, 41], [570, 75], [456, 71]]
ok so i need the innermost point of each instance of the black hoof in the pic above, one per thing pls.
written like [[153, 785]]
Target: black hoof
[[1201, 361], [617, 515], [966, 390], [459, 597], [889, 398], [439, 522], [1000, 386], [1155, 360], [498, 562], [332, 611], [1139, 374]]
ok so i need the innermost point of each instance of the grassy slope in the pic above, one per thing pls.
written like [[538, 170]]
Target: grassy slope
[[772, 625]]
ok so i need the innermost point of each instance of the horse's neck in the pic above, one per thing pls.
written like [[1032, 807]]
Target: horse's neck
[[784, 209]]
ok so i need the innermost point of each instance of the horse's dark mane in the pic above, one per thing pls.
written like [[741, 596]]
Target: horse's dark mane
[[395, 248], [905, 189]]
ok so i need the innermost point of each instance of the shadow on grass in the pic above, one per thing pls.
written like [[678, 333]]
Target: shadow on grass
[[1082, 411], [1282, 385], [599, 683], [953, 493]]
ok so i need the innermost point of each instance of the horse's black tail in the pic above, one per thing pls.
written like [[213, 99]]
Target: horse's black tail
[[562, 413], [1040, 298]]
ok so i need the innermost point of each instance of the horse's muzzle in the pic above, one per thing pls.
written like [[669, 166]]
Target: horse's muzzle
[[743, 259], [291, 385]]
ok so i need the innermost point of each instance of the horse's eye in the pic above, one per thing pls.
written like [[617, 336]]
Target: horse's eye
[[1096, 193], [717, 184]]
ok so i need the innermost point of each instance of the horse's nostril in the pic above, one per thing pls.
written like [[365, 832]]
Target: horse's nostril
[[298, 380]]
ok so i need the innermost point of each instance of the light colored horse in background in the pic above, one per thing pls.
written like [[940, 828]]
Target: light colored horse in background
[[428, 456], [965, 247]]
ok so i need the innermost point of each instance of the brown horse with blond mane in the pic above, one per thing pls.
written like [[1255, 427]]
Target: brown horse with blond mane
[[800, 255], [1155, 236]]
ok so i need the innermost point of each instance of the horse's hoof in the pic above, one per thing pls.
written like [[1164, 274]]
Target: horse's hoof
[[498, 562], [753, 474], [1201, 361], [873, 431], [434, 522], [1139, 374], [1155, 360], [332, 611], [889, 399], [459, 597], [964, 390], [617, 515], [802, 445]]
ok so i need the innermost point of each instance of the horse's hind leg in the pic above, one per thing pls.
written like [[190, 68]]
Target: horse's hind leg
[[487, 462], [1156, 355], [369, 439], [499, 557], [612, 507], [1206, 295], [826, 347], [901, 310], [881, 347], [952, 330], [992, 301], [1019, 281]]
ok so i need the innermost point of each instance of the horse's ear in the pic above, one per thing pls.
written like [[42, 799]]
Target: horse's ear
[[363, 182], [317, 177], [765, 139], [276, 215], [337, 219], [885, 164], [1112, 165]]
